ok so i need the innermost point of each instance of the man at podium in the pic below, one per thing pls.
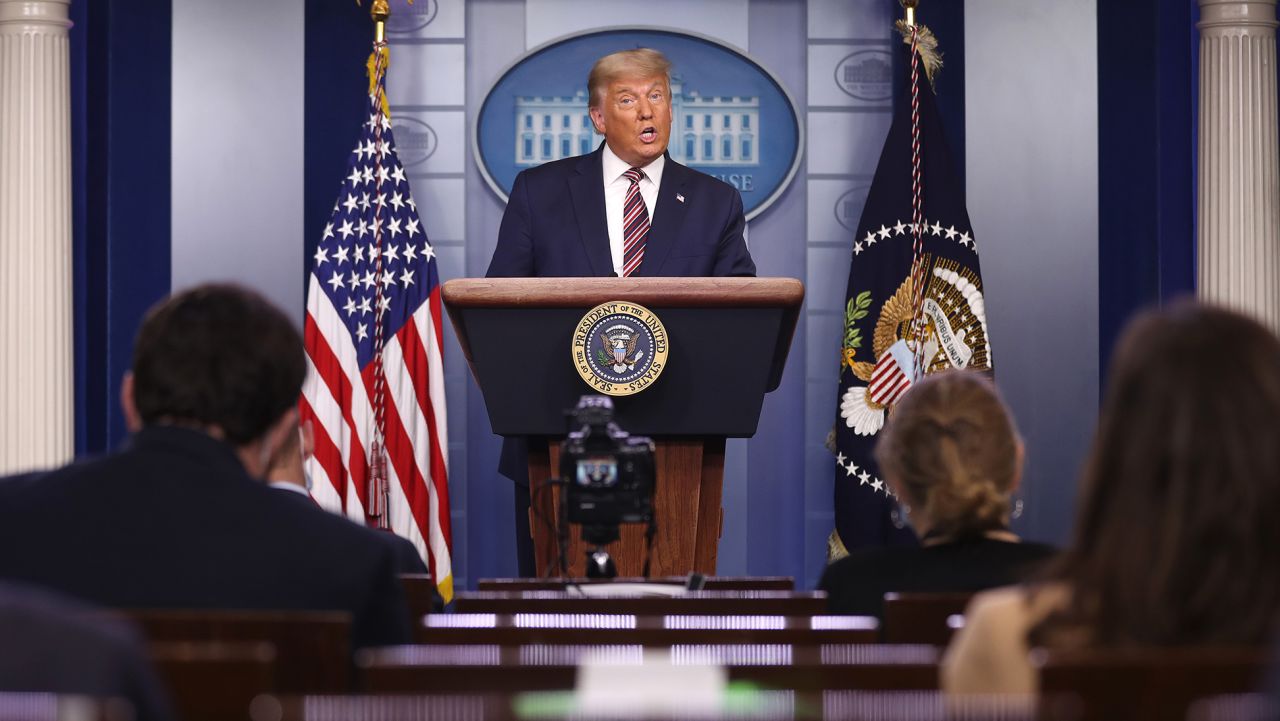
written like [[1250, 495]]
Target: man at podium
[[626, 209]]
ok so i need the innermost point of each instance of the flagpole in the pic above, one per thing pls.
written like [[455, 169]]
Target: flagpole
[[380, 11], [919, 326], [379, 479]]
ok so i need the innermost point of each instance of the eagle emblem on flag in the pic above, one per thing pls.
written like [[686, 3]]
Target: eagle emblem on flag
[[955, 336]]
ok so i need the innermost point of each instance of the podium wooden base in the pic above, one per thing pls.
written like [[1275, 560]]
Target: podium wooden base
[[690, 476]]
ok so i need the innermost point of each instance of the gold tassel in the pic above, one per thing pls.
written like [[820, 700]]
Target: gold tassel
[[926, 45], [835, 548]]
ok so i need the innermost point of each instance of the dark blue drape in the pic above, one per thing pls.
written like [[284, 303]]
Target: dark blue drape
[[1147, 77], [120, 136]]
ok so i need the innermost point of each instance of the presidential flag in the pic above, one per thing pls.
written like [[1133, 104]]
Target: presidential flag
[[914, 301], [375, 387]]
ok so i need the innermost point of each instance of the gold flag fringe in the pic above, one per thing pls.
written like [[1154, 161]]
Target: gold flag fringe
[[835, 547], [374, 86], [926, 44]]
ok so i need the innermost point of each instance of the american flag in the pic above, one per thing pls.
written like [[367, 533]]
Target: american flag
[[375, 388]]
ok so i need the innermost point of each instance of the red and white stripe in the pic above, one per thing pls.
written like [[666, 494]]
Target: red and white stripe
[[888, 381], [337, 399]]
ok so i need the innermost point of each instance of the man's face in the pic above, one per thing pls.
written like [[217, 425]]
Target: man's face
[[634, 116]]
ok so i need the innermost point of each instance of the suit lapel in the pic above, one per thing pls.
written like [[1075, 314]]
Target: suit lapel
[[586, 186], [668, 218]]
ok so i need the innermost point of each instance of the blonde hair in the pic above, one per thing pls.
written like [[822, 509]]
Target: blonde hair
[[641, 62], [951, 449]]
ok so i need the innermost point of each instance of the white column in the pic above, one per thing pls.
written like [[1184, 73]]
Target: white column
[[1239, 255], [36, 382]]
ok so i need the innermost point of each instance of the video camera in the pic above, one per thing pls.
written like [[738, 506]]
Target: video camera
[[607, 474]]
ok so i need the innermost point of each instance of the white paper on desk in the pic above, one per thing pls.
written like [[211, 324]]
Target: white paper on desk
[[653, 688], [602, 590]]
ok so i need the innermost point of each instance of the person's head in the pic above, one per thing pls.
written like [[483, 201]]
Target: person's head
[[630, 103], [951, 452], [221, 359], [1176, 540]]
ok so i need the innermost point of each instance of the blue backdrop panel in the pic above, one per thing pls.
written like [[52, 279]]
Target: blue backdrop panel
[[120, 87]]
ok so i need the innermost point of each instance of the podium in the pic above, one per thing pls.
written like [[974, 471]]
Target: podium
[[728, 342]]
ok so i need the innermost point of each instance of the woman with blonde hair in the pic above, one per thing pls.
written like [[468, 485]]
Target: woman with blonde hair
[[952, 456], [1176, 543]]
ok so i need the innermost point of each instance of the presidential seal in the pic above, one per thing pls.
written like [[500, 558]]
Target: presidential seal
[[619, 348]]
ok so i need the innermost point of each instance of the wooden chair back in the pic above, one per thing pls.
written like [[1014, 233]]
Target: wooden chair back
[[475, 669], [492, 707], [24, 706], [372, 707], [313, 648], [1147, 684], [921, 617], [693, 603], [938, 706], [419, 594], [710, 583], [1236, 707], [212, 680], [651, 631]]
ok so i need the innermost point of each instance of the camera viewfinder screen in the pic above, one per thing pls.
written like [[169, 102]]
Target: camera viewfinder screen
[[597, 472]]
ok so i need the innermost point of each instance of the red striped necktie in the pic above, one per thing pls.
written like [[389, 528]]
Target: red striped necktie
[[635, 224]]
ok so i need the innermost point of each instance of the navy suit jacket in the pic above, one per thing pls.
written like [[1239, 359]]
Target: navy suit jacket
[[555, 226], [406, 555], [174, 521]]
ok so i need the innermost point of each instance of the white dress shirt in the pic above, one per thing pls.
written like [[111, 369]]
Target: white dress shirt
[[288, 486], [615, 195]]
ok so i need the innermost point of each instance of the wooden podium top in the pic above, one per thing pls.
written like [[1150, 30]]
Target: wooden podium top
[[729, 339], [658, 292]]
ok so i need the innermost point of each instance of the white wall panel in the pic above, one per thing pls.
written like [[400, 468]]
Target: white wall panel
[[547, 20], [426, 19], [237, 152], [844, 143], [435, 141], [830, 202], [1032, 133], [438, 202], [430, 74], [848, 18], [854, 75]]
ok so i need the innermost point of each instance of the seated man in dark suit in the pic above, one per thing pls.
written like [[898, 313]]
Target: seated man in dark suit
[[288, 475], [626, 209], [178, 518]]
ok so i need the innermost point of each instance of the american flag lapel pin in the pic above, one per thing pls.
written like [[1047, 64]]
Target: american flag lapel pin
[[679, 198]]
